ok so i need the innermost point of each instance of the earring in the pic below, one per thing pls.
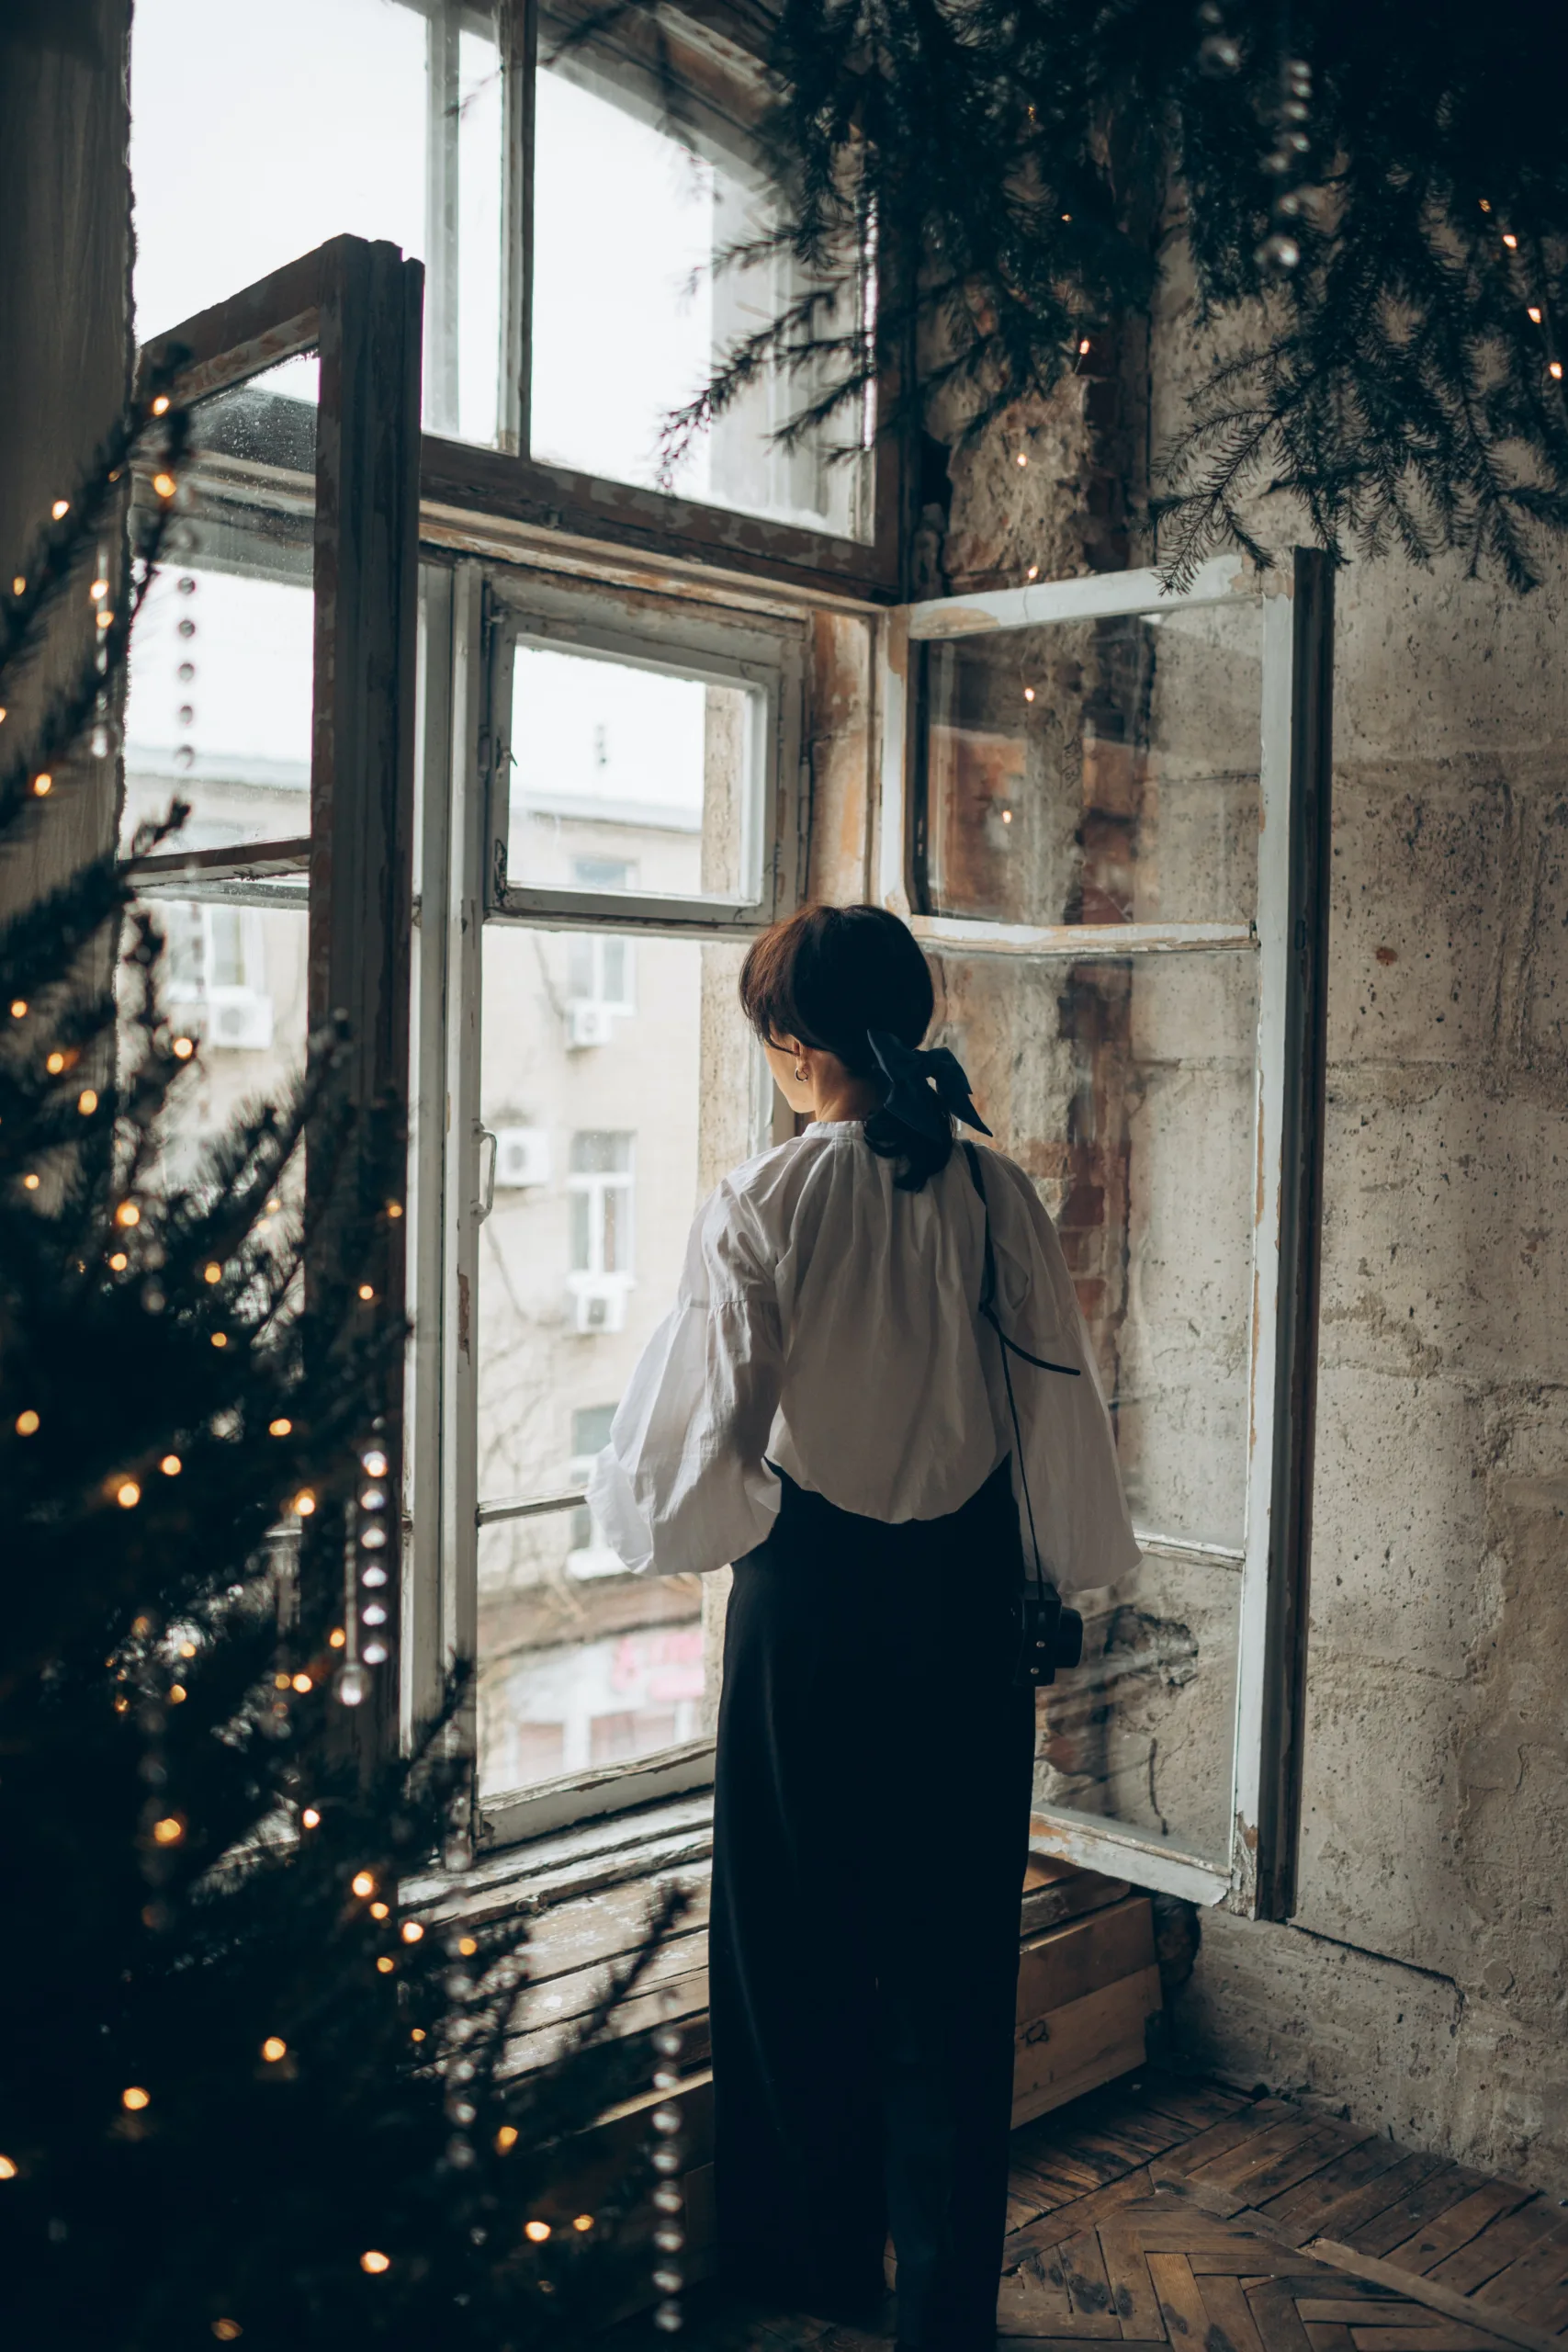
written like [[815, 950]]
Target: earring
[[800, 1074]]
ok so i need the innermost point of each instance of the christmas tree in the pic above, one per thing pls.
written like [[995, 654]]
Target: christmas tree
[[1373, 204], [246, 2092]]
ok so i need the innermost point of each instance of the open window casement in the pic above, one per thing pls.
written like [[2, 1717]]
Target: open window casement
[[1104, 813], [272, 688], [612, 806]]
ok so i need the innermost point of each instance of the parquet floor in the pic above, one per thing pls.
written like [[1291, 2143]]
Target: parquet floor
[[1163, 2211]]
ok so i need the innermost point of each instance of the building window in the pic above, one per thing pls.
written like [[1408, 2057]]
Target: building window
[[600, 1184]]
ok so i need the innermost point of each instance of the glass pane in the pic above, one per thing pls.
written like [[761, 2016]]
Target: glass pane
[[630, 219], [1097, 770], [1127, 1091], [625, 778], [219, 702], [377, 118], [603, 1152], [234, 980]]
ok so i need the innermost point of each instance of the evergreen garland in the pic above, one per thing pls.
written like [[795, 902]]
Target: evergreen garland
[[1374, 199], [246, 2091]]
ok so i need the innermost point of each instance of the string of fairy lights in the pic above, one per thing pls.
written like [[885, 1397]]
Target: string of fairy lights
[[150, 1666]]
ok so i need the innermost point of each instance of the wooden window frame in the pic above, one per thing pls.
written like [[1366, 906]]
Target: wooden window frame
[[471, 492], [1289, 940], [358, 306]]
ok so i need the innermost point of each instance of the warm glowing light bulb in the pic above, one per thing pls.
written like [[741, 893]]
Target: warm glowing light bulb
[[310, 1818], [366, 1292], [183, 1048], [27, 1422], [127, 1213], [385, 1965], [1533, 314], [43, 784], [98, 590], [280, 1681], [304, 1503], [128, 1494], [1021, 459], [302, 1684], [337, 1638], [161, 405], [163, 483], [362, 1882], [274, 2047], [412, 1931], [1033, 572], [1029, 693], [187, 1649], [394, 1208], [118, 1261], [61, 508], [1510, 240], [87, 1102], [7, 2169], [226, 2331], [375, 2262], [583, 2222], [537, 2231], [213, 1274], [220, 1338], [1084, 347], [54, 1064], [169, 1831], [177, 1694], [30, 1182], [417, 2035], [467, 1947], [506, 2137], [18, 1007], [135, 2099], [171, 1467], [1554, 370], [279, 1428], [381, 1910]]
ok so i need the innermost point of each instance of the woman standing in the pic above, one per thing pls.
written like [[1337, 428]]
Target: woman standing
[[828, 1406]]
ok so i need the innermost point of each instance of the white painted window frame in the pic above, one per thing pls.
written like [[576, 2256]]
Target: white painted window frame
[[473, 613], [1288, 939]]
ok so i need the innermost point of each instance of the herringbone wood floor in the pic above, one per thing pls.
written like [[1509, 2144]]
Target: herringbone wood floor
[[1164, 2212]]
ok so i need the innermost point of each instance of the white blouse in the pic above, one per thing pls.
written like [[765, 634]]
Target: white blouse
[[828, 1322]]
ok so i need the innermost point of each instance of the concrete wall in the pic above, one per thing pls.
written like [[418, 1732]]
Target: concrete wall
[[1421, 1986], [64, 302]]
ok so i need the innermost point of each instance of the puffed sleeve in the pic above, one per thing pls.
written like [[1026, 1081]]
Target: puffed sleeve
[[682, 1488], [1075, 1485]]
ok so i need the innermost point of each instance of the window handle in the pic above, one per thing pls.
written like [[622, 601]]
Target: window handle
[[486, 1201]]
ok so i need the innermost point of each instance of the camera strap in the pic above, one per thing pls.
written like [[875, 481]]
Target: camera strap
[[1010, 1348]]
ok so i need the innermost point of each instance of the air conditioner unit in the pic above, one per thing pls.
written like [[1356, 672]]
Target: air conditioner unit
[[589, 1024], [598, 1303], [239, 1020], [522, 1157]]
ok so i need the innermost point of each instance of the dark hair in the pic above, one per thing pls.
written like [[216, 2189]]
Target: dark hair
[[827, 975]]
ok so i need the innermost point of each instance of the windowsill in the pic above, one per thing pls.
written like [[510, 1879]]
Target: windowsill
[[560, 1865]]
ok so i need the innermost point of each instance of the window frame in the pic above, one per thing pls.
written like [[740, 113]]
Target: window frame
[[470, 486], [359, 307], [673, 639], [1289, 937], [476, 611]]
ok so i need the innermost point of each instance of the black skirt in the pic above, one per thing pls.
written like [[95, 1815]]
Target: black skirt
[[870, 1832]]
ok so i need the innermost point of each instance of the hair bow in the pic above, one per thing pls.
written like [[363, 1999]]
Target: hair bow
[[924, 1088]]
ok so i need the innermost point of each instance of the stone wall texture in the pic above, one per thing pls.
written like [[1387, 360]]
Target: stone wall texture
[[1422, 1984]]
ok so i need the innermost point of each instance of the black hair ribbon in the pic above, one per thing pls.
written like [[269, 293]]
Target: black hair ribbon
[[924, 1089]]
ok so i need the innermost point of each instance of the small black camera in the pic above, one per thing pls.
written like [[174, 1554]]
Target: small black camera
[[1050, 1636]]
